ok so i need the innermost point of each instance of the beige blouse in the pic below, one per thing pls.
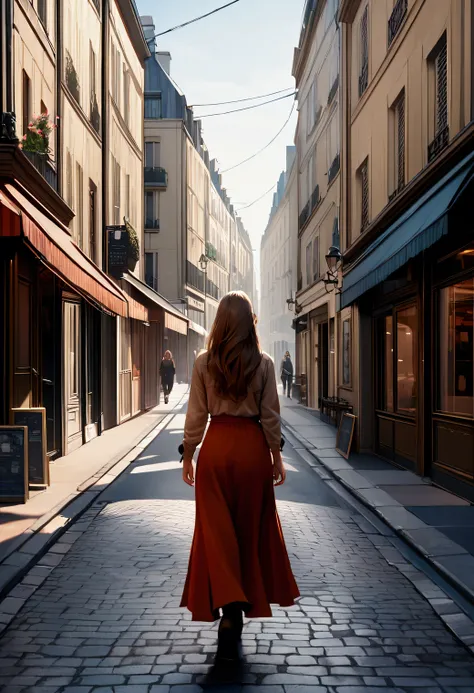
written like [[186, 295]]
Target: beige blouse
[[262, 400]]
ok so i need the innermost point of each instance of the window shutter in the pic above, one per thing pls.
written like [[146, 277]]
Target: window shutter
[[441, 70], [364, 180], [401, 141]]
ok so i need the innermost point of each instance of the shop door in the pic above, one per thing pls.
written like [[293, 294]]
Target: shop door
[[323, 370], [91, 372], [72, 375], [313, 400], [51, 361]]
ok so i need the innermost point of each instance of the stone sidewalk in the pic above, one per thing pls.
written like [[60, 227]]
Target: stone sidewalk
[[26, 529], [438, 524]]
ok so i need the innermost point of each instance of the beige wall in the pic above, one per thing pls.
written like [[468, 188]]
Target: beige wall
[[125, 135], [403, 65], [168, 242]]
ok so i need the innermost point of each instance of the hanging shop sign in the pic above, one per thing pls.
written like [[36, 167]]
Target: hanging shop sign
[[118, 250], [35, 421], [345, 434], [14, 464]]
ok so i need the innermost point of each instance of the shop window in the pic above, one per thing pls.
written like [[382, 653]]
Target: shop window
[[456, 349], [406, 360], [346, 352], [387, 383]]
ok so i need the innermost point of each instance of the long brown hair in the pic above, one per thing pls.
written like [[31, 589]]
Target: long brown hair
[[233, 348]]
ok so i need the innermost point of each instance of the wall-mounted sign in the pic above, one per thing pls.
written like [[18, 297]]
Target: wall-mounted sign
[[35, 420], [118, 250], [195, 304], [14, 464], [345, 434]]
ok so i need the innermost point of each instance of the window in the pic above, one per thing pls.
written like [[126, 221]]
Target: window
[[309, 281], [127, 195], [333, 69], [316, 258], [43, 108], [126, 95], [438, 98], [346, 352], [151, 270], [313, 108], [116, 187], [152, 210], [456, 349], [153, 106], [333, 160], [329, 13], [93, 72], [42, 11], [93, 249], [387, 380], [364, 51], [397, 154], [363, 185], [69, 192], [26, 101], [152, 154], [406, 360], [116, 63], [79, 206]]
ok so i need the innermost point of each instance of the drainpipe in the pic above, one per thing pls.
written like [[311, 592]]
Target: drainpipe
[[104, 109], [6, 74], [59, 72]]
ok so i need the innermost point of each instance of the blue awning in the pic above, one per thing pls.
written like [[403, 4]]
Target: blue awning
[[417, 229]]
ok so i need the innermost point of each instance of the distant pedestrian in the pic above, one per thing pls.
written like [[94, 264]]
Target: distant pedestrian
[[167, 373], [286, 374], [239, 561]]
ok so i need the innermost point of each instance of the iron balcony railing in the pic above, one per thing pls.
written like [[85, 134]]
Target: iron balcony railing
[[363, 78], [304, 216], [95, 115], [333, 90], [399, 13], [155, 177], [315, 199], [152, 224], [72, 79], [334, 170], [438, 144], [44, 166]]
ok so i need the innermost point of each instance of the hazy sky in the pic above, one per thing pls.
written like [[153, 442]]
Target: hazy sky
[[244, 50]]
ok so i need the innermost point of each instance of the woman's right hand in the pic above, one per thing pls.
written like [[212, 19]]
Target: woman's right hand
[[279, 471], [188, 472]]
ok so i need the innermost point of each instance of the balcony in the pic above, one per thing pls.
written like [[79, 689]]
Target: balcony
[[397, 17], [333, 91], [194, 276], [363, 78], [72, 79], [94, 114], [334, 170], [438, 144], [152, 224], [211, 252], [43, 165], [315, 199], [155, 177], [304, 216], [212, 290]]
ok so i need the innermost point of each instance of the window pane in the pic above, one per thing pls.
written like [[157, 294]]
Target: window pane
[[148, 153], [346, 352], [152, 107], [387, 397], [456, 349], [308, 264], [406, 360]]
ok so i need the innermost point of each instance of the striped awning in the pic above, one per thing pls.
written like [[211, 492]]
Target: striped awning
[[52, 242]]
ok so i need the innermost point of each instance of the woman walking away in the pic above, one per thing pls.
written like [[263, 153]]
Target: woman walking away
[[167, 373], [238, 557], [286, 374]]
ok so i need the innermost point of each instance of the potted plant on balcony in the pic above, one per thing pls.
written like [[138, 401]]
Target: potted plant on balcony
[[133, 246], [35, 143]]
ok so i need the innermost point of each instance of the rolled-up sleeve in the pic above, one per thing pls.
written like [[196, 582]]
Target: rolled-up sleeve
[[197, 414], [270, 409]]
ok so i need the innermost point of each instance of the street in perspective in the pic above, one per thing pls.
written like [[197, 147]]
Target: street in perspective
[[236, 346]]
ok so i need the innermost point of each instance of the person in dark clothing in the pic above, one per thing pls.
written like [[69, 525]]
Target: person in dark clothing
[[167, 373], [286, 374]]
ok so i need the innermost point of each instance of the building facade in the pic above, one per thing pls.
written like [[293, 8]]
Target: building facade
[[278, 265], [316, 72], [407, 301]]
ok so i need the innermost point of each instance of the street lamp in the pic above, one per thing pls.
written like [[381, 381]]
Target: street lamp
[[334, 262], [203, 260]]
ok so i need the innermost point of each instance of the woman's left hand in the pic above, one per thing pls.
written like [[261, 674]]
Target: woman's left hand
[[188, 472]]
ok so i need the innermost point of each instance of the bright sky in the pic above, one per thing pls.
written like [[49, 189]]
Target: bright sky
[[244, 50]]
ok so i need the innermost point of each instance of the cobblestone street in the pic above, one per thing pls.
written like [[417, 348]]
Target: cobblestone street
[[106, 619]]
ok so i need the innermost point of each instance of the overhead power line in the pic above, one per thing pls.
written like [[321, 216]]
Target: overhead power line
[[249, 98], [249, 158], [246, 108], [257, 200], [191, 21]]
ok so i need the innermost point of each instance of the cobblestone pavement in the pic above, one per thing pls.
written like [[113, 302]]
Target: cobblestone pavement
[[106, 619]]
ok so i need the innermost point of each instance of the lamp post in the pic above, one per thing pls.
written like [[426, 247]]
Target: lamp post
[[333, 261], [203, 260]]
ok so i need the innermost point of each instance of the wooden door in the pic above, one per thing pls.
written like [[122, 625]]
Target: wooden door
[[72, 375]]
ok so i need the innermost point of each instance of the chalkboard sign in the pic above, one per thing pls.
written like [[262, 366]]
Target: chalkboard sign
[[345, 434], [14, 464], [35, 420], [118, 248]]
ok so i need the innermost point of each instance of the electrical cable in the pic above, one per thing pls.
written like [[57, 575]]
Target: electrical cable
[[257, 200], [246, 108], [231, 168], [191, 21], [249, 98]]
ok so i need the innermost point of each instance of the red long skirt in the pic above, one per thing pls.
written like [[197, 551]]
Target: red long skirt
[[238, 552]]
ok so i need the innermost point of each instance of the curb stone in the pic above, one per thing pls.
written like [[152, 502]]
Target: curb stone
[[395, 539]]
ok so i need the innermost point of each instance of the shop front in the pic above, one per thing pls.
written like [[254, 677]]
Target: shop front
[[413, 295]]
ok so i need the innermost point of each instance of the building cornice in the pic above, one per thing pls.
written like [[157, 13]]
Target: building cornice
[[348, 10], [302, 51], [131, 20]]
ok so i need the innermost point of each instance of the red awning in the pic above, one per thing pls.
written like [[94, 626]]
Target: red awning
[[9, 217], [52, 241]]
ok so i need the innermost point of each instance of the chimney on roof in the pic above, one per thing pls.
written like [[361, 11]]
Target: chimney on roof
[[164, 58]]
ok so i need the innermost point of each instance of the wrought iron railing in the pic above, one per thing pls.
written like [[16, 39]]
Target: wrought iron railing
[[315, 199], [438, 144], [399, 13], [333, 90], [304, 216], [363, 78], [72, 79], [44, 166], [155, 177], [152, 224], [94, 114], [334, 169]]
